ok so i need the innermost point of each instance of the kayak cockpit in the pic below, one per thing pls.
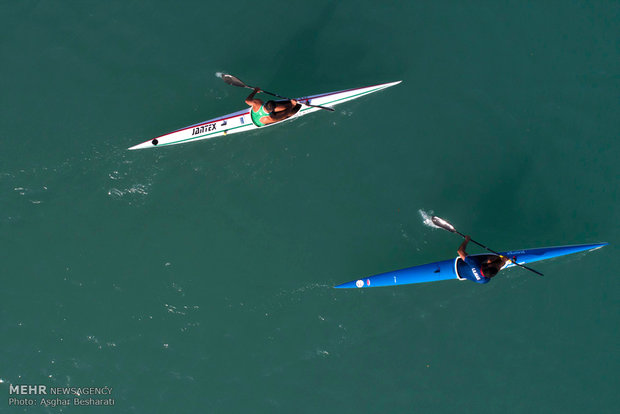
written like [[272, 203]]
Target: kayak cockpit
[[459, 264]]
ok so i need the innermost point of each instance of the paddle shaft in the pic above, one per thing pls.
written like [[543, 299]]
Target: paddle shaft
[[269, 93], [233, 80], [494, 252], [288, 99]]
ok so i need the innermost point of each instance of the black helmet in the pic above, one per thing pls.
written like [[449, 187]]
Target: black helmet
[[489, 270], [269, 106]]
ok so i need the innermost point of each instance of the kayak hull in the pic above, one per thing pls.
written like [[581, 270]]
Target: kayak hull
[[446, 269], [241, 121]]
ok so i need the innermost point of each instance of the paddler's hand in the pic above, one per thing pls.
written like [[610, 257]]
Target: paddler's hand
[[294, 102], [467, 238], [257, 90]]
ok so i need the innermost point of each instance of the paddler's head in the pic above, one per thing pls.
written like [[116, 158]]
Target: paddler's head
[[269, 106], [490, 267]]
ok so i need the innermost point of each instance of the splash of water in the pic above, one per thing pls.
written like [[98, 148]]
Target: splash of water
[[219, 74], [426, 218]]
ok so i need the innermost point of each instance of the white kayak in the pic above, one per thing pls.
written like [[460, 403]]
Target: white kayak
[[241, 121]]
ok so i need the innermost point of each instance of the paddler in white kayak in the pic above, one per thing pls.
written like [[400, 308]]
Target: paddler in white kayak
[[264, 113], [479, 269]]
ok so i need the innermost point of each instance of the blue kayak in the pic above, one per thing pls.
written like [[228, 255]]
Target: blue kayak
[[447, 269]]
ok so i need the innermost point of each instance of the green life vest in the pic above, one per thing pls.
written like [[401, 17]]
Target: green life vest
[[256, 116]]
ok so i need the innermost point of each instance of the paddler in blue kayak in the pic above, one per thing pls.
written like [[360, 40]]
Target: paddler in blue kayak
[[264, 113], [479, 269]]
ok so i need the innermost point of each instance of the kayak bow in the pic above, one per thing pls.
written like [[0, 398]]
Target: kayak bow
[[241, 121], [446, 269]]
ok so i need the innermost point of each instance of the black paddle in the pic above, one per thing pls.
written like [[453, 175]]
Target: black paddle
[[439, 222], [234, 81]]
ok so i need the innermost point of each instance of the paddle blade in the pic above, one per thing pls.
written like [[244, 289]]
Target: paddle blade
[[231, 80], [439, 222]]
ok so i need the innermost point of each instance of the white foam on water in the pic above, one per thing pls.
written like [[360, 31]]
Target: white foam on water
[[426, 218], [219, 74], [136, 189]]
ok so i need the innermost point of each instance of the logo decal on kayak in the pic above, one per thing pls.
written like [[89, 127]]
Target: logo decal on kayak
[[473, 270], [368, 282], [203, 128], [359, 283]]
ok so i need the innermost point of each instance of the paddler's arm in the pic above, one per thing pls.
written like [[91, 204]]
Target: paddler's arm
[[254, 103], [461, 250], [282, 106], [280, 115]]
